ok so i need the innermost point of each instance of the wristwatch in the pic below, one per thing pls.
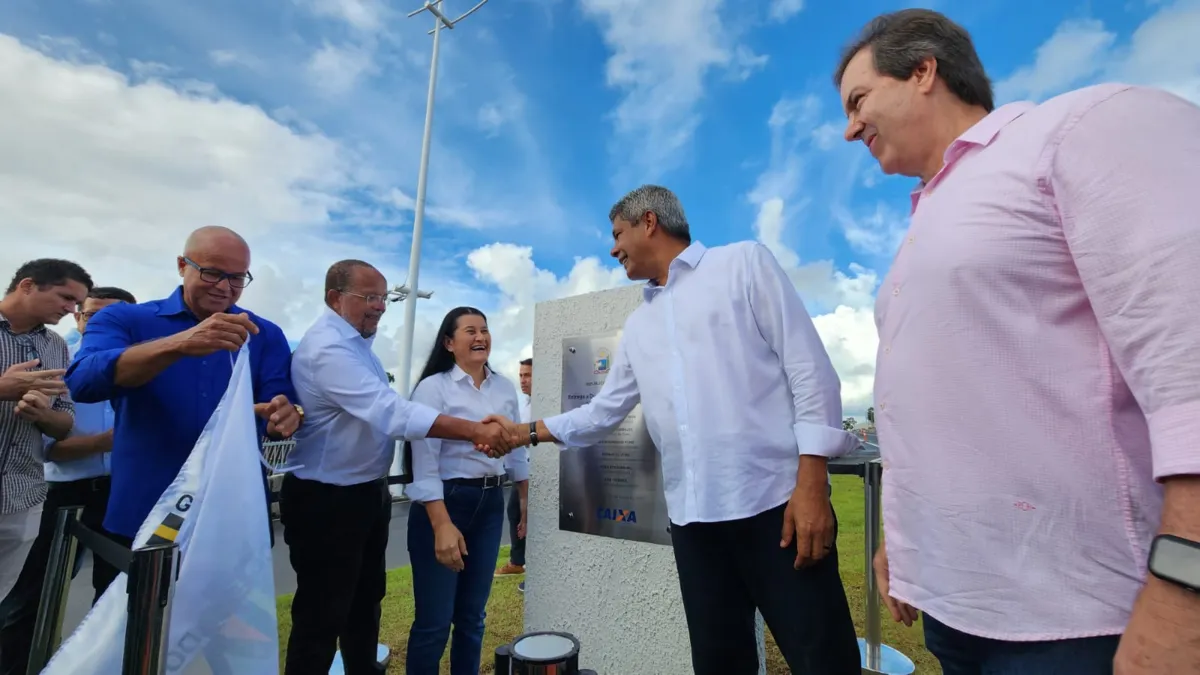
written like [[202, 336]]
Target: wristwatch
[[1176, 560], [533, 439]]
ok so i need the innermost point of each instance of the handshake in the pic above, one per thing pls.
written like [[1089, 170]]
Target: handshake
[[496, 436]]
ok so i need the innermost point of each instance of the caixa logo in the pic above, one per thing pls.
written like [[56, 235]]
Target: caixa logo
[[617, 515]]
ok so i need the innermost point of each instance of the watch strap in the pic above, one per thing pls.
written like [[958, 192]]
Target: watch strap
[[533, 439]]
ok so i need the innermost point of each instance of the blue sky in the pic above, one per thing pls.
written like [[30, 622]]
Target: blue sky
[[298, 122]]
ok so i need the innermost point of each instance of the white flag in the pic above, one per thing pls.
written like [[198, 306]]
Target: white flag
[[223, 609]]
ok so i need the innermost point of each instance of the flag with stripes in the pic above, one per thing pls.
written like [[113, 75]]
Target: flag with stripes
[[223, 609]]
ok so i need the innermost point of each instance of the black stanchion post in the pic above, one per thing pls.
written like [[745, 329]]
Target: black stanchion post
[[47, 631], [503, 663], [152, 575]]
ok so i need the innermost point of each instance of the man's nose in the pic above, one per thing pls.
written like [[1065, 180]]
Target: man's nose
[[614, 252], [853, 131]]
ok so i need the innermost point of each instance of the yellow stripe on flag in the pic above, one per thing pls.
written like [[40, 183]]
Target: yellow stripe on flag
[[165, 532]]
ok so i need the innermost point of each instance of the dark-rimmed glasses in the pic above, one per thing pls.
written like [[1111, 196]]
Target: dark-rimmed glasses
[[215, 276]]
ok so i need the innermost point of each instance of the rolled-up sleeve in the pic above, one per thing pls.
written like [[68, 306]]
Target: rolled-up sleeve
[[593, 422], [1124, 179], [64, 403], [516, 463], [273, 371], [427, 475], [91, 375], [353, 387], [786, 326]]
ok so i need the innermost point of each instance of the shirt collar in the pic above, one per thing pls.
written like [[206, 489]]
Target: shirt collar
[[458, 374], [980, 135], [342, 328], [32, 331], [173, 305], [688, 257]]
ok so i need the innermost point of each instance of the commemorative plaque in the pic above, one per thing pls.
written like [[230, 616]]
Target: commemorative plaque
[[614, 488]]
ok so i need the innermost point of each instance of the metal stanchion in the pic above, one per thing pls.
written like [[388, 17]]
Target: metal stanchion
[[152, 577], [540, 653], [47, 631], [872, 491]]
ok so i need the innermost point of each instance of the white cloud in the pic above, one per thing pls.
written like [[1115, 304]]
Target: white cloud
[[364, 15], [878, 233], [336, 70], [848, 331], [114, 174], [783, 10], [662, 53], [1163, 52]]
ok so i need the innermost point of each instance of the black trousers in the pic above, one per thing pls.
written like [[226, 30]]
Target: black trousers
[[18, 612], [337, 539], [728, 569], [516, 551]]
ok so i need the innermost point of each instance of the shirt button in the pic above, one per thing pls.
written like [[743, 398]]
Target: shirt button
[[896, 290], [887, 350], [911, 239], [883, 406]]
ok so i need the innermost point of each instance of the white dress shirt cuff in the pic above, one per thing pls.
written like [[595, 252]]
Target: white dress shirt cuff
[[518, 472], [559, 427], [427, 490], [823, 441], [420, 420]]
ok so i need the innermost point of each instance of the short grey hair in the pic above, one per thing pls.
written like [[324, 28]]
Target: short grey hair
[[659, 200], [901, 41]]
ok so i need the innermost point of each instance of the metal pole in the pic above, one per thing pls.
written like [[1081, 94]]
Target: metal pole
[[872, 491], [151, 584], [414, 258], [47, 631]]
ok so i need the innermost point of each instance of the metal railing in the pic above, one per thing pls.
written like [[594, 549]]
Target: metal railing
[[152, 572]]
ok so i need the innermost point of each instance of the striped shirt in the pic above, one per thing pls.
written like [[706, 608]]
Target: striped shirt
[[22, 479]]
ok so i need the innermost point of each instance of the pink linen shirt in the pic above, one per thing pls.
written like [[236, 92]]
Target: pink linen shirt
[[1038, 364]]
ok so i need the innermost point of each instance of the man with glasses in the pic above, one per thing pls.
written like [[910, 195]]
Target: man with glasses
[[76, 473], [165, 364], [335, 506], [35, 399]]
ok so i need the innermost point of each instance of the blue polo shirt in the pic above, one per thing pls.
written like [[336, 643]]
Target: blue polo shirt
[[156, 425]]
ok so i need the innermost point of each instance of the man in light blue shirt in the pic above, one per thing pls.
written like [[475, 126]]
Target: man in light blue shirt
[[335, 506], [77, 473]]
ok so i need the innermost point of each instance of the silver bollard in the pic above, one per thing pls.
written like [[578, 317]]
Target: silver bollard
[[151, 585], [545, 653], [47, 631], [872, 491]]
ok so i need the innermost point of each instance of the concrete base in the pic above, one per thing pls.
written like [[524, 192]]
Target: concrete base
[[891, 661], [383, 653]]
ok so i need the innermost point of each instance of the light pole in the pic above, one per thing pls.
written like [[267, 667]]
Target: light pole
[[410, 291], [414, 258]]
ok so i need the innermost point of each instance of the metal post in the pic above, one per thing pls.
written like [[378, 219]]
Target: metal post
[[872, 491], [414, 257], [47, 631], [151, 584]]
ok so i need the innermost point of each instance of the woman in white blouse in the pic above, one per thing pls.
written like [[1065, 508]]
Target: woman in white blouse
[[457, 516]]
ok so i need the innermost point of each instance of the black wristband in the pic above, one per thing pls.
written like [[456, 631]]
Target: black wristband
[[533, 440]]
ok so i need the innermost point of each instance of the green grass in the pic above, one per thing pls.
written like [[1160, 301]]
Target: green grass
[[506, 605]]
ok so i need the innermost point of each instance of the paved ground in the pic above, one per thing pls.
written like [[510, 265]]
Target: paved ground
[[80, 596]]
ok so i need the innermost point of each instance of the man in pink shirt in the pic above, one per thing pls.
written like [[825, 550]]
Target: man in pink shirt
[[1037, 389]]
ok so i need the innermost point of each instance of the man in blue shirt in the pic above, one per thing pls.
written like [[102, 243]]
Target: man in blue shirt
[[165, 365], [76, 472]]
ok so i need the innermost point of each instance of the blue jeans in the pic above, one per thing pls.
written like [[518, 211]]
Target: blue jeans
[[963, 654], [444, 597]]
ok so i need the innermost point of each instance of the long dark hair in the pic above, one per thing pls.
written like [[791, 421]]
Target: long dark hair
[[441, 360]]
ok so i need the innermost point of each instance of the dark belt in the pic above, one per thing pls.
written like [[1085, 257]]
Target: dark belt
[[485, 482], [97, 484]]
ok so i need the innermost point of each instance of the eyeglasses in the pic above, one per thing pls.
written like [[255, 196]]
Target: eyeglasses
[[26, 343], [216, 276], [372, 298]]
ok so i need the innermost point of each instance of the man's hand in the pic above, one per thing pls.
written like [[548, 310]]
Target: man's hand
[[1163, 635], [494, 438], [449, 546], [521, 524], [33, 406], [21, 378], [513, 431], [219, 332], [901, 612], [808, 520], [283, 419]]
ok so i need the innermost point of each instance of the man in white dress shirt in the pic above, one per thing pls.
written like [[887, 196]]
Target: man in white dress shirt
[[745, 408], [518, 499], [336, 508], [77, 472]]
